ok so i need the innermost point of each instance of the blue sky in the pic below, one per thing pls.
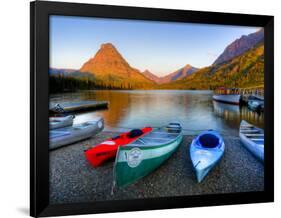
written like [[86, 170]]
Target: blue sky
[[161, 47]]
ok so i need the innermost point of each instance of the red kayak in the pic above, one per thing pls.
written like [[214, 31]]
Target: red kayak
[[108, 149]]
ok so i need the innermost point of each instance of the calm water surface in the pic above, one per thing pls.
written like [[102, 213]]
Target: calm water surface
[[194, 109]]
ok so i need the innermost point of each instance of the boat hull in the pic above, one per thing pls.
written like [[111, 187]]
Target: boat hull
[[133, 163], [68, 135], [228, 99], [255, 105], [60, 122], [255, 147], [204, 159]]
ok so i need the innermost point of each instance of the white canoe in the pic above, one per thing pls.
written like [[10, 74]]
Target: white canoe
[[229, 99], [253, 139], [68, 135], [60, 122], [205, 152]]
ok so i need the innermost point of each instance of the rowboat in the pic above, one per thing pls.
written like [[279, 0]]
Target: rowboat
[[229, 99], [205, 152], [253, 139], [108, 149], [60, 122], [256, 105], [144, 155], [229, 96], [68, 135], [76, 106]]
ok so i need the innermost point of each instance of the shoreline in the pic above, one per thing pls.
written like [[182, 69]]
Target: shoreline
[[73, 179]]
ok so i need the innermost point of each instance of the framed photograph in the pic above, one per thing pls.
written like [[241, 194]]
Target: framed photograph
[[141, 109]]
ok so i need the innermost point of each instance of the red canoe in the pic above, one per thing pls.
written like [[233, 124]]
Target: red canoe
[[108, 149]]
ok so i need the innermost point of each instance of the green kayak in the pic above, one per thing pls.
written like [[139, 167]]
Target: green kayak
[[144, 155]]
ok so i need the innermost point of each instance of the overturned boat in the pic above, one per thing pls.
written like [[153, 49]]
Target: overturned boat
[[68, 135], [60, 122]]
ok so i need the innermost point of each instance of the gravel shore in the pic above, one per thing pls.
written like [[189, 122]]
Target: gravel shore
[[74, 180]]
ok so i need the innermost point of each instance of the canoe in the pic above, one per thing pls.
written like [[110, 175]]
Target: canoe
[[68, 135], [144, 155], [229, 99], [76, 106], [108, 149], [252, 138], [205, 152], [60, 122]]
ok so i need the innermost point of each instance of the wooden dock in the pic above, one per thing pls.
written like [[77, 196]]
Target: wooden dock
[[76, 106], [256, 92]]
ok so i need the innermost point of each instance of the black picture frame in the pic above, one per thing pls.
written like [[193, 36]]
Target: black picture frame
[[39, 106]]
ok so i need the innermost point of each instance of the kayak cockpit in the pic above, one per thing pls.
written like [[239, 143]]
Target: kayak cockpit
[[209, 140]]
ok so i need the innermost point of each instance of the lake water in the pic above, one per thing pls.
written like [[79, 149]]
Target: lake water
[[138, 108]]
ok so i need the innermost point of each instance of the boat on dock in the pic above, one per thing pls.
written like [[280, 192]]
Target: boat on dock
[[76, 106], [108, 149], [252, 138], [68, 135], [256, 103], [147, 153], [205, 151], [228, 96], [60, 122]]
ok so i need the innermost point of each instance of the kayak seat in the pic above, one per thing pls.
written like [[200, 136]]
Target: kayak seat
[[209, 140], [134, 133]]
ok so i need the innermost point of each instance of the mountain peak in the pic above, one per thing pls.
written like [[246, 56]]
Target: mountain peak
[[179, 74], [146, 71], [151, 76], [109, 66], [107, 60], [107, 46], [239, 46]]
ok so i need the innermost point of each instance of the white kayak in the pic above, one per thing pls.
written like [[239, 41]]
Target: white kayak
[[68, 135], [252, 138], [60, 122], [205, 152]]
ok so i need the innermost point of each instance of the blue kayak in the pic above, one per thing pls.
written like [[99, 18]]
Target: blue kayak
[[205, 152]]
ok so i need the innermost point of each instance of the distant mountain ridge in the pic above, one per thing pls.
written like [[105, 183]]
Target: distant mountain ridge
[[239, 46], [177, 75], [151, 76], [245, 70], [61, 71]]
